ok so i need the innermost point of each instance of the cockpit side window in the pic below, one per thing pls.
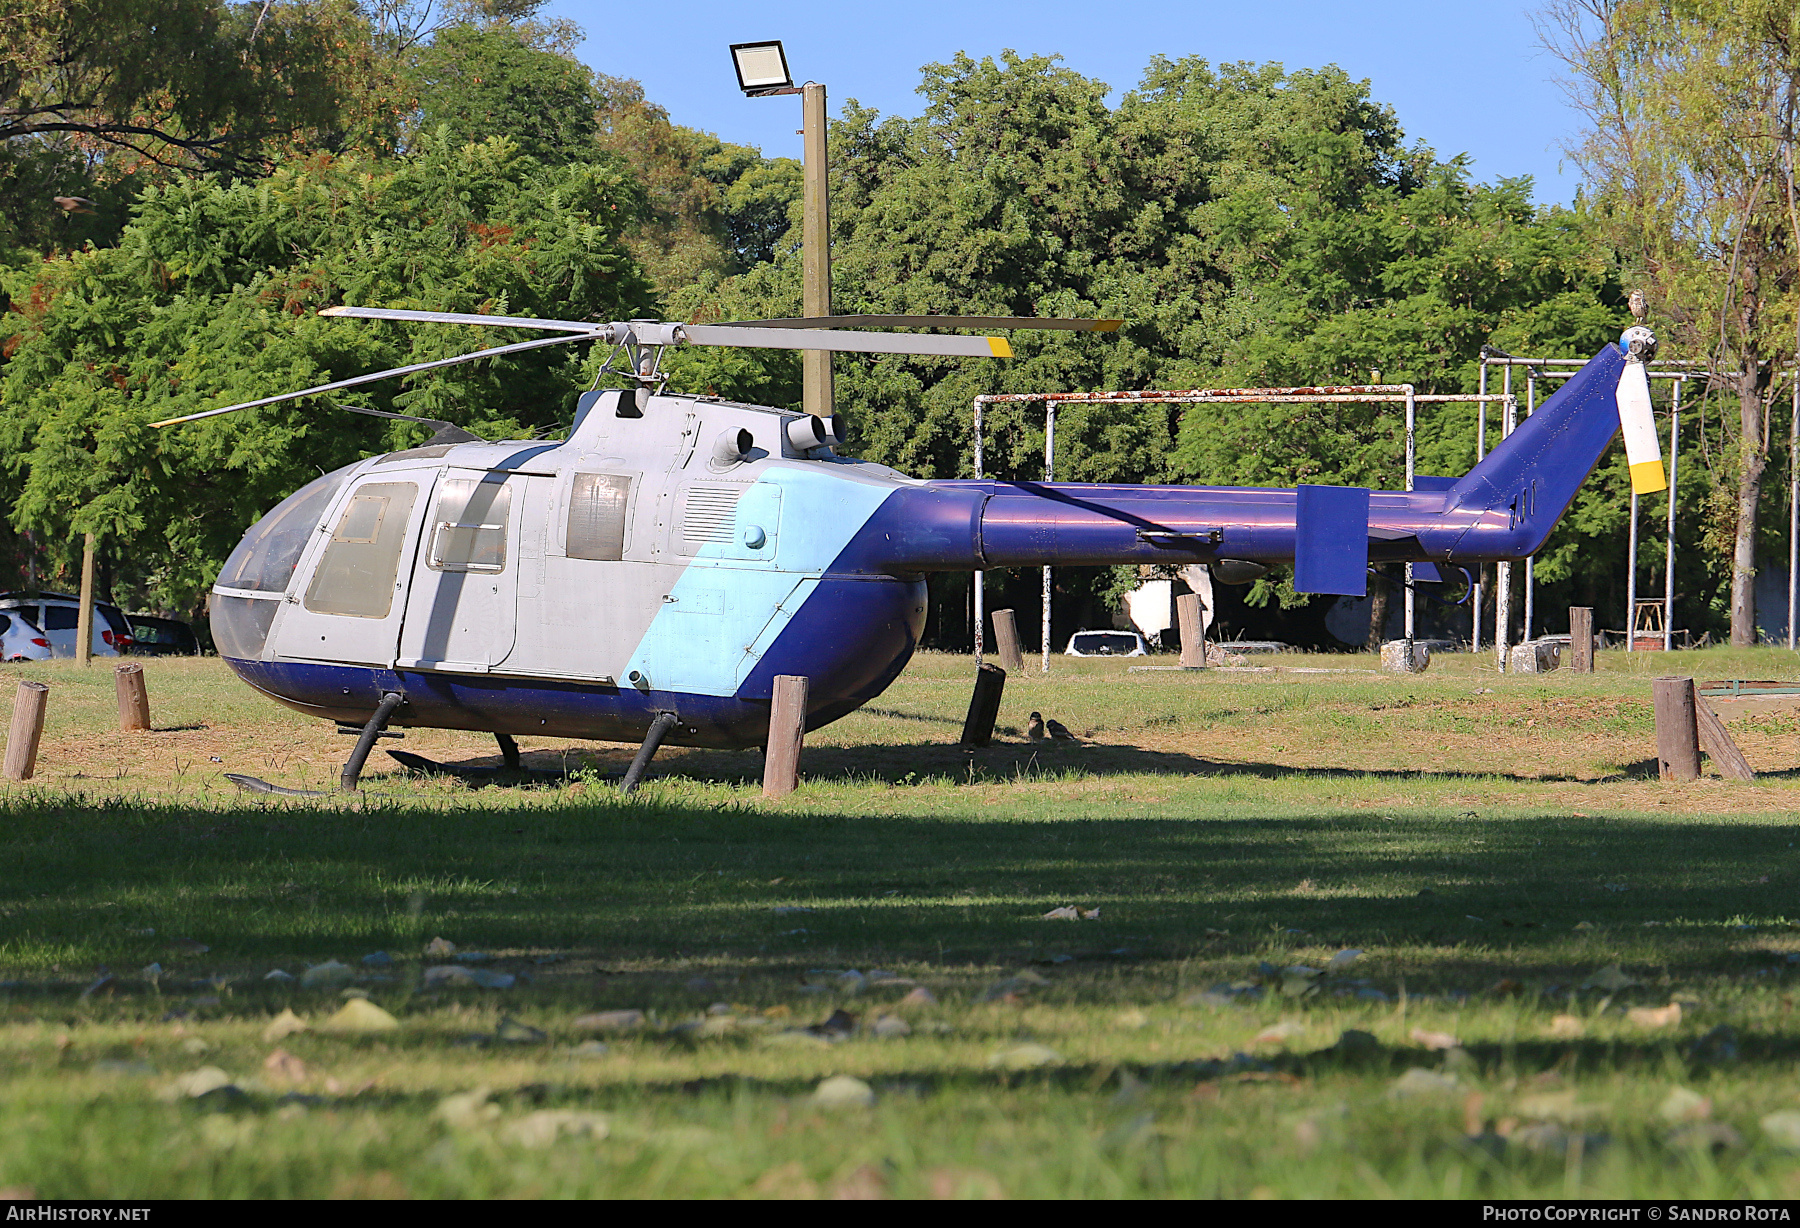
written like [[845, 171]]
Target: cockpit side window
[[265, 560]]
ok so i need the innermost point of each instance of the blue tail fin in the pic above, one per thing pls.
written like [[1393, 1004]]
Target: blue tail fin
[[1533, 474]]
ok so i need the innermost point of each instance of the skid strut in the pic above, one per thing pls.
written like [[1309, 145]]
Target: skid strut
[[353, 769], [659, 729]]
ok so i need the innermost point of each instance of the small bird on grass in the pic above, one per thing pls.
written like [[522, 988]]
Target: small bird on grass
[[1040, 729], [75, 204]]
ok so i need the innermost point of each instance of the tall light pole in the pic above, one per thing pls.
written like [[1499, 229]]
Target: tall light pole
[[763, 72]]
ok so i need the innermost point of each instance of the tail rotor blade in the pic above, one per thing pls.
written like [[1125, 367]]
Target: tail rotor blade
[[1642, 451]]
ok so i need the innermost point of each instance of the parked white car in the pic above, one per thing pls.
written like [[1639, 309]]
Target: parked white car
[[58, 616], [20, 640], [1106, 644]]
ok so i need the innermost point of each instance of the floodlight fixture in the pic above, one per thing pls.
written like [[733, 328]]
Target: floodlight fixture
[[762, 69]]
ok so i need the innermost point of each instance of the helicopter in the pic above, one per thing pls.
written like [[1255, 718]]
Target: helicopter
[[647, 577]]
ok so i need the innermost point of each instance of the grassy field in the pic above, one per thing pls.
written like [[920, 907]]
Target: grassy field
[[1356, 935]]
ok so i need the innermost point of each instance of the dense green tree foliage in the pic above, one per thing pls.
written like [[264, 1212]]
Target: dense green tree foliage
[[1252, 227], [211, 298], [1694, 109]]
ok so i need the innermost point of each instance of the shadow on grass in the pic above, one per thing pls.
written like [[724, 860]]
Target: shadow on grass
[[664, 890], [908, 763]]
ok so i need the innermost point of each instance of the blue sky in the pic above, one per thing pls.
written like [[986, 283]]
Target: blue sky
[[1463, 77]]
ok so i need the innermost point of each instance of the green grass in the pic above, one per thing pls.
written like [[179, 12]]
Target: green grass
[[1488, 852]]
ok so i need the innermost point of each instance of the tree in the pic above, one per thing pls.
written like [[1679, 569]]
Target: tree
[[715, 208], [211, 298], [485, 82], [1692, 107], [179, 82], [1251, 226]]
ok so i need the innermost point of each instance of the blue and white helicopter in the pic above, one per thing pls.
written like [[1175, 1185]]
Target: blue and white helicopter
[[646, 578]]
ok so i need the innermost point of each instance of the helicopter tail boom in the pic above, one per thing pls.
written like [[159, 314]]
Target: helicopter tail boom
[[1502, 509]]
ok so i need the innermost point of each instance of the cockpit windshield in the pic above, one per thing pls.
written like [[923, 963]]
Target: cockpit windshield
[[265, 560]]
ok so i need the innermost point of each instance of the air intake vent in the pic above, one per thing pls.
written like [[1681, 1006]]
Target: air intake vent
[[707, 514]]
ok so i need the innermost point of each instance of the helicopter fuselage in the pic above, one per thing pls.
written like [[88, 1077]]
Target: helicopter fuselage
[[653, 563]]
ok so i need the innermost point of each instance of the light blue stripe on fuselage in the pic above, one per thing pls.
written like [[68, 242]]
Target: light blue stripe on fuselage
[[733, 600]]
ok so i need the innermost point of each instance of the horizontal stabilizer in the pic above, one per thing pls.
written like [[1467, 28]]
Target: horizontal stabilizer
[[1426, 573], [1331, 540]]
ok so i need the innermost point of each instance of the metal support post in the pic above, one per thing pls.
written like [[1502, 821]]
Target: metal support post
[[1049, 476], [1631, 580], [1793, 508], [1411, 456], [980, 576], [1503, 571], [815, 229], [1480, 452], [1669, 532], [1530, 562]]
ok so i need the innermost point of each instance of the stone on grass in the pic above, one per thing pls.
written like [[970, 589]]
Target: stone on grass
[[360, 1017], [466, 1110], [1611, 978], [441, 976], [328, 975], [1279, 1033], [197, 1083], [544, 1127], [1782, 1129], [1421, 1082], [1028, 1056], [609, 1021], [511, 1031], [1684, 1105], [843, 1092]]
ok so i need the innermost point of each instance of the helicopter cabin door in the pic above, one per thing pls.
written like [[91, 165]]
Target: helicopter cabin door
[[348, 609], [460, 612]]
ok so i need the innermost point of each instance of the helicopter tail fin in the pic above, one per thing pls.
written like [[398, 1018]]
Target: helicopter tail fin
[[1533, 474]]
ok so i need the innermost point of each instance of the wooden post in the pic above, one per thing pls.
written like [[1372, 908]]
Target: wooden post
[[1193, 638], [1006, 642], [984, 704], [1581, 639], [1677, 730], [1719, 747], [134, 700], [787, 730], [27, 729], [84, 621]]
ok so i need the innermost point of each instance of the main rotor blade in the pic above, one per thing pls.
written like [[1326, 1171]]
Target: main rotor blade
[[931, 321], [379, 375], [459, 317], [845, 342]]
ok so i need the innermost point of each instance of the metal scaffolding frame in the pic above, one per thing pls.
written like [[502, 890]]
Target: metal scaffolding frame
[[1678, 373], [1377, 393]]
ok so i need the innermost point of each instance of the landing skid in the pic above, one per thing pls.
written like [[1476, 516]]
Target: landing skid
[[485, 775], [251, 784]]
